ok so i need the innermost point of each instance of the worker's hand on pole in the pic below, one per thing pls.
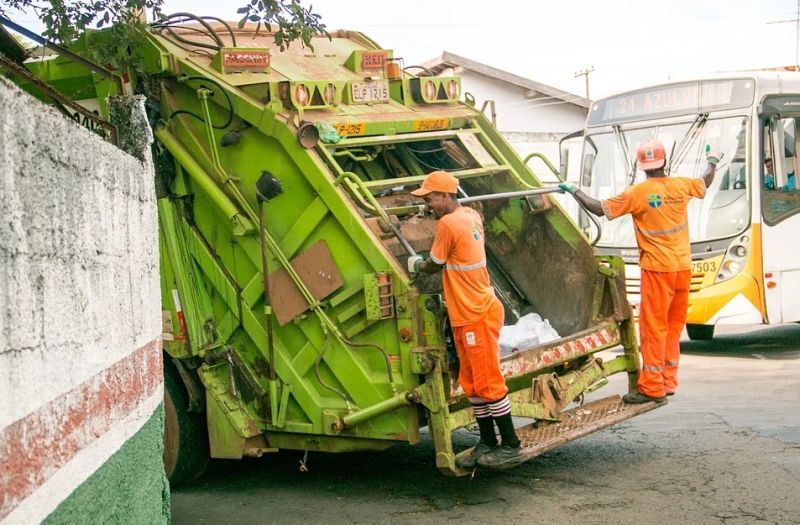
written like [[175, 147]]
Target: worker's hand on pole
[[713, 156], [414, 262], [568, 187]]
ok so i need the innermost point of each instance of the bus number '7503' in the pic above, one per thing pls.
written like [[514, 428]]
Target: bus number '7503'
[[704, 266]]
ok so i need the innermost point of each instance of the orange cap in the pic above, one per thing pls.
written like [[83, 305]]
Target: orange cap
[[651, 155], [437, 181]]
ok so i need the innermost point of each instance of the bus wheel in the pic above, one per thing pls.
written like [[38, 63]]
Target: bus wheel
[[700, 332], [186, 454]]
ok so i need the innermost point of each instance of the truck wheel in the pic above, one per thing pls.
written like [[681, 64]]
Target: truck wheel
[[186, 453], [700, 332]]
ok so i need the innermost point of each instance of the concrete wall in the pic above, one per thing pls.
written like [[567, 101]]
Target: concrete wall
[[81, 387]]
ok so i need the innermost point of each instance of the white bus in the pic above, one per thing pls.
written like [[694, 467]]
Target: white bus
[[745, 234]]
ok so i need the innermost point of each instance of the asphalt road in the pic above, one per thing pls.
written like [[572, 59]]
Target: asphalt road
[[725, 450]]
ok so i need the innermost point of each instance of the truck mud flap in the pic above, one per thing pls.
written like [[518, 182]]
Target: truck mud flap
[[575, 423]]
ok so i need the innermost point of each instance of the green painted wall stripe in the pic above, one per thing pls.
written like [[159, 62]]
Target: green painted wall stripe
[[130, 487]]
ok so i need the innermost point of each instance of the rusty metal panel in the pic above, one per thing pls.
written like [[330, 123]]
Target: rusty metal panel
[[319, 274]]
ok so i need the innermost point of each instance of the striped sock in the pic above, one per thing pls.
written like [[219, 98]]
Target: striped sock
[[500, 407], [481, 410]]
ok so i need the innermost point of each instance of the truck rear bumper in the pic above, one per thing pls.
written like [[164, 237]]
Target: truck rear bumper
[[541, 437]]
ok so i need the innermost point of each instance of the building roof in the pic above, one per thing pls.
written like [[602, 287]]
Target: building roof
[[450, 60]]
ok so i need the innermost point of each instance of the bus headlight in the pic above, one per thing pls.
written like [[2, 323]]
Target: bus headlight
[[731, 267], [734, 259]]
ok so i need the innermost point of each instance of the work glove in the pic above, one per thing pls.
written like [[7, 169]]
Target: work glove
[[568, 187], [414, 262], [713, 156]]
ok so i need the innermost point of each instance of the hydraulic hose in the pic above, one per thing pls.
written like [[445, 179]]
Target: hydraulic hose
[[198, 117]]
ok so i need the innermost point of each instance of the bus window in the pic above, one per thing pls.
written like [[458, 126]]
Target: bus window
[[780, 198]]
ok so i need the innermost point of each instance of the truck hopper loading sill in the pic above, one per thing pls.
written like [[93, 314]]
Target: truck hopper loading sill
[[541, 437]]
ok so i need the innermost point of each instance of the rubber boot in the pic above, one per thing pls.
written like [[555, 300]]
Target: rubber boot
[[508, 453], [508, 434], [487, 444]]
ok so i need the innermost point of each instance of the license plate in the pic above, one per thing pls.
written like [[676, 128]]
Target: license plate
[[376, 91]]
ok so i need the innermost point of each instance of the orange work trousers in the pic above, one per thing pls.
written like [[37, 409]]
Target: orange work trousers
[[479, 356], [665, 298]]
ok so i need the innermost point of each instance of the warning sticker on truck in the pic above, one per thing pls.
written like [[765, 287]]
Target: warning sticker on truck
[[431, 124]]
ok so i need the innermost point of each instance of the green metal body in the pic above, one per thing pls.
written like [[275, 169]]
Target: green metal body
[[364, 363]]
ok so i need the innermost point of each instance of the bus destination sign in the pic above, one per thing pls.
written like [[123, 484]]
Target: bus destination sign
[[673, 99]]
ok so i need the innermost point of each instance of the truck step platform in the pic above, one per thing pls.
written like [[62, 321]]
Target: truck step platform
[[543, 436]]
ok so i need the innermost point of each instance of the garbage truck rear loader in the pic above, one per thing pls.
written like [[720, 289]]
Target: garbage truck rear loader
[[285, 223]]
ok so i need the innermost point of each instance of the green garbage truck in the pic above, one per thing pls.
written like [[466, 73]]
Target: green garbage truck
[[286, 219]]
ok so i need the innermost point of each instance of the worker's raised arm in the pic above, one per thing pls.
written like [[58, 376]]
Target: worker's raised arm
[[713, 157], [591, 204]]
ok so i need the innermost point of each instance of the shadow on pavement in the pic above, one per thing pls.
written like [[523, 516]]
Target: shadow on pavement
[[780, 342]]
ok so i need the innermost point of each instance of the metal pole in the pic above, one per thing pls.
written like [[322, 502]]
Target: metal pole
[[388, 405], [509, 195]]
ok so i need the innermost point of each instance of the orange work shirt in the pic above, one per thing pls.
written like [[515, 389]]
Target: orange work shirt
[[658, 206], [458, 245]]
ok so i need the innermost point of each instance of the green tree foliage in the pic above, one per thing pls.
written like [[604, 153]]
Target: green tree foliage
[[66, 19], [293, 20]]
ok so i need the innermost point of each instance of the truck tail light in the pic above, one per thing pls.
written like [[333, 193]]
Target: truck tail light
[[301, 94], [452, 89], [430, 90], [329, 94]]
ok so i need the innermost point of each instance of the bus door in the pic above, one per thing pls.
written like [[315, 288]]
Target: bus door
[[780, 208]]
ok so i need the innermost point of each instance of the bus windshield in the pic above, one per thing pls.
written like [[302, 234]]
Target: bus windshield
[[608, 168]]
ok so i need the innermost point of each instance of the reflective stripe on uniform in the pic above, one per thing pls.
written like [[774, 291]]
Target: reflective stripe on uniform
[[659, 233], [673, 364], [652, 368], [606, 211], [436, 259], [465, 267]]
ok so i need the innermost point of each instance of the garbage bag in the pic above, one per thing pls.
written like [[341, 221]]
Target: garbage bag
[[529, 331]]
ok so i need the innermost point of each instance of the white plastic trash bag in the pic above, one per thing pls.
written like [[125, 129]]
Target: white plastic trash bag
[[514, 337], [528, 332]]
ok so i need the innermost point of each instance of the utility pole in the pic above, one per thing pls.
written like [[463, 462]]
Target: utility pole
[[796, 21], [585, 72]]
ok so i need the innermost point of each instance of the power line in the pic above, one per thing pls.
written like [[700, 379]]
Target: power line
[[796, 21], [585, 73], [572, 21]]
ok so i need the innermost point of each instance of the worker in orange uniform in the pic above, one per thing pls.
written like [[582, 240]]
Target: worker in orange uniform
[[476, 316], [658, 206]]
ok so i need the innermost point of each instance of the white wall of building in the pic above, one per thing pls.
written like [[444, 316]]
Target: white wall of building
[[517, 112]]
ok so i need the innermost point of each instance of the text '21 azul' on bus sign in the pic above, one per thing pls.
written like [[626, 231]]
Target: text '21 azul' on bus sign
[[673, 99]]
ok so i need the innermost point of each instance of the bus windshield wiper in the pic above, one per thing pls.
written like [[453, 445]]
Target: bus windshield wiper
[[623, 148], [677, 154]]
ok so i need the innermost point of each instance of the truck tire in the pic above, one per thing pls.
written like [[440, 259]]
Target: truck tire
[[186, 454], [700, 332]]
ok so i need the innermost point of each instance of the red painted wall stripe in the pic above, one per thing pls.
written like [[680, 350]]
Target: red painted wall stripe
[[33, 448]]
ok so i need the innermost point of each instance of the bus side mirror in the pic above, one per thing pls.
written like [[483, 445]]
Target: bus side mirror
[[782, 135], [563, 166], [588, 166]]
